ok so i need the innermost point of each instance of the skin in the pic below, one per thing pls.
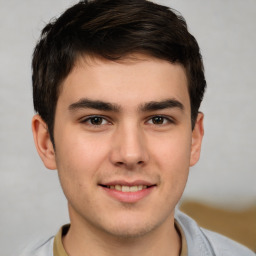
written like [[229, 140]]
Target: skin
[[127, 141]]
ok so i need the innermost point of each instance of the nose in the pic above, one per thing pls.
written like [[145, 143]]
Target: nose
[[129, 147]]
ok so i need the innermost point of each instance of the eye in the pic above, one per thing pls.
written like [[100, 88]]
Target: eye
[[159, 120], [95, 120]]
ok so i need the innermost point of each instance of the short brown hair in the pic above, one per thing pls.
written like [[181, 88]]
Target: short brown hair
[[112, 29]]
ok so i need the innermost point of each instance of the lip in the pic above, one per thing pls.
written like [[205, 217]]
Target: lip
[[128, 197], [128, 183]]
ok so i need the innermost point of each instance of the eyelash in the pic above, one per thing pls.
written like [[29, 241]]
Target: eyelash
[[90, 118], [166, 120]]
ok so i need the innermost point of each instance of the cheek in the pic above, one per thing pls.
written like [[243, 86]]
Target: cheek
[[80, 152], [172, 151], [172, 158], [77, 169], [77, 166]]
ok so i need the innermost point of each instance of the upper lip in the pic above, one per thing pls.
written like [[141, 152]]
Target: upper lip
[[128, 183]]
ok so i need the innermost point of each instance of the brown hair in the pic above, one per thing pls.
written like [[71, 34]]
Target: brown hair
[[112, 29]]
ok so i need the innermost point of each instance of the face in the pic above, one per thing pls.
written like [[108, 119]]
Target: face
[[123, 143]]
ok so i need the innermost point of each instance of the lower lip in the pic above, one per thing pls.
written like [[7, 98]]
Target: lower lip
[[128, 197]]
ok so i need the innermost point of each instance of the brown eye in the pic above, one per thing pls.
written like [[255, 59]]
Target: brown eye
[[158, 120], [96, 120]]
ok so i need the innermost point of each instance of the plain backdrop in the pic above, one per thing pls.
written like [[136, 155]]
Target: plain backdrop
[[32, 202]]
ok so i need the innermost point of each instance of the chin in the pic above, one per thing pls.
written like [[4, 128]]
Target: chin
[[130, 233], [129, 229]]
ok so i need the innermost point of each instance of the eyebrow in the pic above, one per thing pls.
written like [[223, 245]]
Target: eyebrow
[[158, 105], [94, 104], [106, 106]]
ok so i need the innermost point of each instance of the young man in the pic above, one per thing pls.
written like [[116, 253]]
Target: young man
[[117, 85]]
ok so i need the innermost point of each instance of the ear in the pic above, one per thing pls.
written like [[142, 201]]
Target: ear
[[197, 136], [43, 142]]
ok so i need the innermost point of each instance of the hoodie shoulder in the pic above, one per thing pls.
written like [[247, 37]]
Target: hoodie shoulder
[[42, 247], [224, 246]]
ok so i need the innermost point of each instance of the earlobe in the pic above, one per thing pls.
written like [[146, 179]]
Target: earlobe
[[43, 142], [197, 136]]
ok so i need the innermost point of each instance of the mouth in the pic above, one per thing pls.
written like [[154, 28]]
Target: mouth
[[128, 192], [127, 189]]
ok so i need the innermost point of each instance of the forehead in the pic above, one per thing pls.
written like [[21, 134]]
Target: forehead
[[134, 79]]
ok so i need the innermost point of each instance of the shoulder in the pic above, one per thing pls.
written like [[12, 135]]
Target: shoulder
[[40, 247], [204, 242], [225, 246]]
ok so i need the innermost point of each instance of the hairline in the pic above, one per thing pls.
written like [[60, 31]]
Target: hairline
[[133, 56]]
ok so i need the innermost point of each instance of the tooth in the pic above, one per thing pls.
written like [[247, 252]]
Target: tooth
[[125, 189], [118, 187], [133, 189]]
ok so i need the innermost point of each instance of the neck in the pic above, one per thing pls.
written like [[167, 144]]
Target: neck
[[86, 240]]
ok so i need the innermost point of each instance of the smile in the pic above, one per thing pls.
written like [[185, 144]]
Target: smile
[[127, 188], [128, 192]]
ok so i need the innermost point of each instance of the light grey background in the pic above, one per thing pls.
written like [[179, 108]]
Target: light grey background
[[31, 199]]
